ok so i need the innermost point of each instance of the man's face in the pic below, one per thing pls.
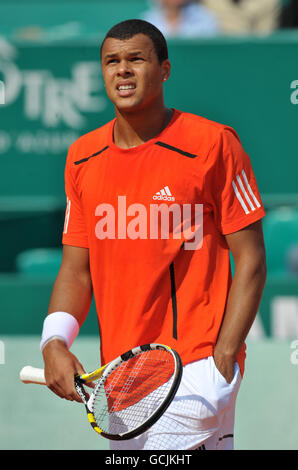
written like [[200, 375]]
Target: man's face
[[173, 3], [132, 73]]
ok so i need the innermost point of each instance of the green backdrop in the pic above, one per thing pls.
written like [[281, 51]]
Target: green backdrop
[[54, 93]]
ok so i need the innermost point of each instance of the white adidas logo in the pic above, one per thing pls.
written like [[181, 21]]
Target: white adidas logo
[[164, 195]]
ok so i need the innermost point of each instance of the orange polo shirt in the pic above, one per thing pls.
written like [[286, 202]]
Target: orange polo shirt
[[154, 218]]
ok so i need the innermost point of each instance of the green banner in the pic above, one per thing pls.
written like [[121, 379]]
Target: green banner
[[55, 93]]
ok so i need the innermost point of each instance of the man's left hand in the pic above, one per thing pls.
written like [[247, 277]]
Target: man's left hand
[[225, 364]]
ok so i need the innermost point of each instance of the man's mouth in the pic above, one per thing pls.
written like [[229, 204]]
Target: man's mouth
[[125, 90]]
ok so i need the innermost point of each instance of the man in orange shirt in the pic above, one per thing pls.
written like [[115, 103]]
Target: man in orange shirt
[[156, 200]]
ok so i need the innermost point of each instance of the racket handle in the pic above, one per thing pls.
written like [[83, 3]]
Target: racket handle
[[32, 375]]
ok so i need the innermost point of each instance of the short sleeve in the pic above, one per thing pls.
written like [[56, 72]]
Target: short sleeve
[[74, 230], [231, 185]]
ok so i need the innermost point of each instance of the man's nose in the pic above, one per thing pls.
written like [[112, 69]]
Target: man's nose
[[124, 68]]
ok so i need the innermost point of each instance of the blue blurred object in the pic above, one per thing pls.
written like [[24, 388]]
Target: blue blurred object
[[193, 21]]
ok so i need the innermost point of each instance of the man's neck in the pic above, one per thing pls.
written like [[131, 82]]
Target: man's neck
[[133, 129]]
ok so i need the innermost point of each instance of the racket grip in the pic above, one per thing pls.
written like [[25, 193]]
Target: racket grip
[[32, 375]]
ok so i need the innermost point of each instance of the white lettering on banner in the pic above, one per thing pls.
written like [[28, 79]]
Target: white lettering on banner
[[55, 101], [294, 355], [43, 141], [284, 317], [39, 142], [12, 77], [294, 94], [33, 84]]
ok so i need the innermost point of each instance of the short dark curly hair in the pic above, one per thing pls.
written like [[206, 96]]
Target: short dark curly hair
[[129, 28]]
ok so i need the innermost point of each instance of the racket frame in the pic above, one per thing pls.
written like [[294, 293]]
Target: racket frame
[[102, 373]]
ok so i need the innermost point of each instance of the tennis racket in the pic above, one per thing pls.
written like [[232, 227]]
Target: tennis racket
[[130, 393]]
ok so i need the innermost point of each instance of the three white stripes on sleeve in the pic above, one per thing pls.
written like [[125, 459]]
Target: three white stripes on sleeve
[[245, 194]]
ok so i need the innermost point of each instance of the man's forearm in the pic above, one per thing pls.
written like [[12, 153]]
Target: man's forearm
[[242, 306], [71, 293], [71, 299]]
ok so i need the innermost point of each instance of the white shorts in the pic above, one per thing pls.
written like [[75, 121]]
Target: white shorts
[[201, 416]]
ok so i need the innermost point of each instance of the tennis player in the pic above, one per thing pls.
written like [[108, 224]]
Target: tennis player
[[156, 201]]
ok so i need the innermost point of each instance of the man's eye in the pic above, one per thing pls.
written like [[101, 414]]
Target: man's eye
[[133, 59]]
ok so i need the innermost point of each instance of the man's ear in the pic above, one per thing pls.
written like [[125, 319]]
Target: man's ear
[[166, 70]]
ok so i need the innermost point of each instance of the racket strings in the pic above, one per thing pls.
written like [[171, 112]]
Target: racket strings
[[133, 391], [129, 382]]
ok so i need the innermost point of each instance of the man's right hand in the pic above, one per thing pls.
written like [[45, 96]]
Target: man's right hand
[[60, 368]]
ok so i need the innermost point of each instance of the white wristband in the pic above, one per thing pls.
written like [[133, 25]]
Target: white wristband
[[60, 325]]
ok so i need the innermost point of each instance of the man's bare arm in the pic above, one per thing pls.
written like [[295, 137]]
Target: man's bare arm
[[248, 250], [72, 293]]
